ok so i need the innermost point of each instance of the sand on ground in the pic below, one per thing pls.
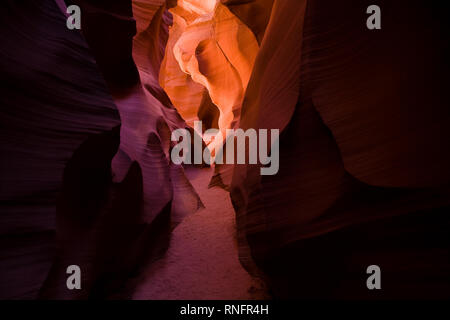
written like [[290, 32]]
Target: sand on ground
[[202, 260]]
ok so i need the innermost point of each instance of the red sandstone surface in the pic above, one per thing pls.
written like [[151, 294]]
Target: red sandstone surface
[[86, 124]]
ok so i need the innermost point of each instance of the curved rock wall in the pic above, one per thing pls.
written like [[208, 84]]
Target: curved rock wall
[[87, 119], [363, 159]]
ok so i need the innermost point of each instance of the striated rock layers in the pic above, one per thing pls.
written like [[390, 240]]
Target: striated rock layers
[[87, 116], [364, 155], [53, 98], [86, 176], [208, 62]]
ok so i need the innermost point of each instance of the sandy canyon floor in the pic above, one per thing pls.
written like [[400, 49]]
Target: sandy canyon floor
[[202, 260]]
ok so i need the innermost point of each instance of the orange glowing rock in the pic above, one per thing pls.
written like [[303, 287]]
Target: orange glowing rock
[[209, 48], [254, 13]]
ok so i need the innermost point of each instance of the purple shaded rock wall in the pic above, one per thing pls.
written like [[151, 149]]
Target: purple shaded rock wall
[[53, 98], [86, 176], [364, 176], [85, 127]]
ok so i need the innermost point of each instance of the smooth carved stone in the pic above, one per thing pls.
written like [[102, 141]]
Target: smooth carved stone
[[210, 46]]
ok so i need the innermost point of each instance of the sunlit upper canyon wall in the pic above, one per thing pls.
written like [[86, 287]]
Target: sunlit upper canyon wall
[[88, 116], [209, 51]]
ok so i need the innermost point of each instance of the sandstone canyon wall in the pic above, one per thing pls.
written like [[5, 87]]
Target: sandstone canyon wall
[[86, 126], [363, 152]]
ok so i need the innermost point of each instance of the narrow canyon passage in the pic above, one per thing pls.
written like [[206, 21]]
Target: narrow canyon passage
[[92, 116], [202, 260]]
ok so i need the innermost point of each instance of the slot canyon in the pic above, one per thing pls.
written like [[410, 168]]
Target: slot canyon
[[86, 176]]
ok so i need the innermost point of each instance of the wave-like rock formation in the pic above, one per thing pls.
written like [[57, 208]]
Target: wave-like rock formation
[[86, 123], [364, 155], [98, 141], [209, 49], [53, 98]]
